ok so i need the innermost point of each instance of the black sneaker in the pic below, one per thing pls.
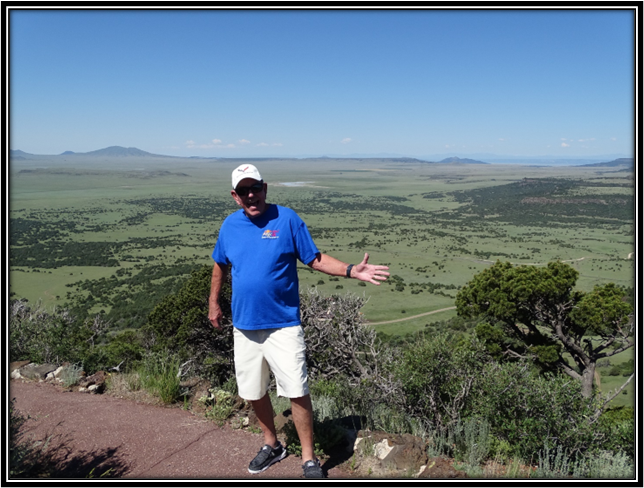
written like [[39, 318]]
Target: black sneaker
[[312, 469], [265, 457]]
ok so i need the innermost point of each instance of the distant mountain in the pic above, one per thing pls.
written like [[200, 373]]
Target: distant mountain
[[116, 152], [455, 160], [119, 152], [109, 152], [17, 153], [617, 162]]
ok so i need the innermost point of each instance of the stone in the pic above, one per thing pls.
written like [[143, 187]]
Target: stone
[[37, 371], [190, 382], [97, 380], [408, 453], [16, 365], [394, 453]]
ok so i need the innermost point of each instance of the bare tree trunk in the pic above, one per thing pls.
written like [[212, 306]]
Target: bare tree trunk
[[587, 380]]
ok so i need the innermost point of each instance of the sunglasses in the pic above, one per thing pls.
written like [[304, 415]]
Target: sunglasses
[[244, 190]]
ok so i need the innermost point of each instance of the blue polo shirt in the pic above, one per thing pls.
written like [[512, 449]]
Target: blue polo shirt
[[263, 254]]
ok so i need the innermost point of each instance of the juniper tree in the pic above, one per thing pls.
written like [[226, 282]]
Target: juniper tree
[[534, 312]]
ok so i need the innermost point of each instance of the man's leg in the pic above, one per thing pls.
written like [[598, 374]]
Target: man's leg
[[264, 411], [303, 418]]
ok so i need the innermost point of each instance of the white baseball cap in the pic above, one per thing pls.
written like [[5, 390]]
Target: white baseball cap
[[245, 171]]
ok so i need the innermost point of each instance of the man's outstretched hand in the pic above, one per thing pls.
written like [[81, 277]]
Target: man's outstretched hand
[[369, 272]]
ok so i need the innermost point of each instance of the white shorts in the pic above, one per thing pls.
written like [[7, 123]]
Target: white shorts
[[282, 351]]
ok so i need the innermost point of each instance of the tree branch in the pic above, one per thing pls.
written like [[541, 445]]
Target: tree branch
[[601, 409]]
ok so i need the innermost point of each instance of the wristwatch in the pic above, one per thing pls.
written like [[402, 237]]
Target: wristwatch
[[349, 270]]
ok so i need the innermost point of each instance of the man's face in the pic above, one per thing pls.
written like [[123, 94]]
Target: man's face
[[250, 198]]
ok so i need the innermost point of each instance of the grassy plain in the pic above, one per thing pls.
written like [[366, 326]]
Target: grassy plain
[[352, 206], [429, 223]]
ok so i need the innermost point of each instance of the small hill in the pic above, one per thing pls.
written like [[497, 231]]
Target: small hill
[[455, 160], [18, 154], [108, 152], [119, 152], [616, 162]]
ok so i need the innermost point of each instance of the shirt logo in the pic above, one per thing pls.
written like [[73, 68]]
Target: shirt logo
[[270, 234]]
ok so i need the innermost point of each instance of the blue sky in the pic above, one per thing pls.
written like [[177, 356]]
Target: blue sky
[[301, 83]]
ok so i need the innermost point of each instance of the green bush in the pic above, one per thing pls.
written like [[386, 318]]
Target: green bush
[[56, 336], [616, 430], [471, 440], [159, 374], [124, 349], [557, 463], [437, 374], [530, 410], [179, 324], [70, 375]]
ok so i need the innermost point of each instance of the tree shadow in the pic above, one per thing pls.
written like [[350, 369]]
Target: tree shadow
[[343, 452], [53, 457]]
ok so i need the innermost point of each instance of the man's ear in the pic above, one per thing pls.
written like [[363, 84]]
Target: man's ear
[[236, 197]]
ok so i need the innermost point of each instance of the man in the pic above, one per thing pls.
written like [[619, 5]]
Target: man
[[260, 245]]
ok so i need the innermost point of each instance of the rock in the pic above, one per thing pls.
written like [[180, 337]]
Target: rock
[[16, 365], [37, 371], [396, 453], [382, 449], [442, 468], [408, 453], [190, 382], [97, 380]]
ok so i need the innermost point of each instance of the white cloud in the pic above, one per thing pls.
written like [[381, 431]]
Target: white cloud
[[266, 144], [219, 144], [563, 144], [501, 139], [346, 140]]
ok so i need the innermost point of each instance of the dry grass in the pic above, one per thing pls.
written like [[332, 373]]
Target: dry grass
[[128, 386]]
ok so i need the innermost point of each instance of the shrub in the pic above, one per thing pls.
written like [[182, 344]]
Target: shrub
[[338, 342], [159, 374], [471, 440], [42, 336], [70, 375], [616, 430], [530, 410], [180, 325], [124, 349], [556, 463], [437, 374]]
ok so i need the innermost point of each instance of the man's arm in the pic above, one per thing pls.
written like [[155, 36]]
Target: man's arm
[[363, 271], [215, 314]]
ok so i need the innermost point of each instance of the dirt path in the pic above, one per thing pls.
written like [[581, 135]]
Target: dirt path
[[94, 435], [412, 317]]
